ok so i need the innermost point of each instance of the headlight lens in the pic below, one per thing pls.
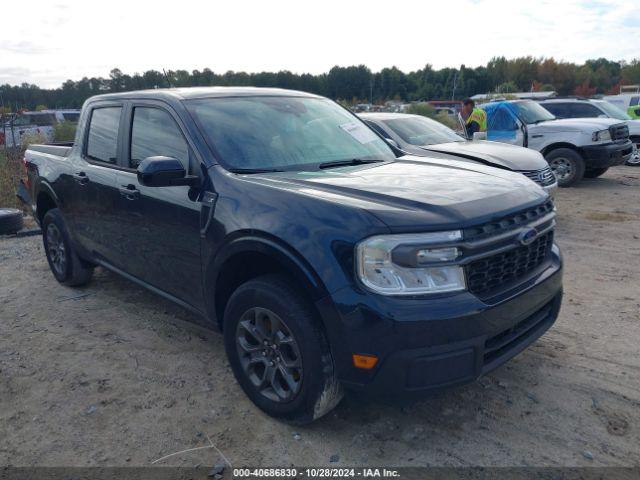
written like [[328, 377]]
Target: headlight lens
[[601, 136], [408, 265]]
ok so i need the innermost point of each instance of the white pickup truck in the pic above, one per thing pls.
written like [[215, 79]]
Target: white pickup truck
[[588, 108], [574, 148]]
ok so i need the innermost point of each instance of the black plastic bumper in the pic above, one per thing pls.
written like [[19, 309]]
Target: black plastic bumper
[[426, 345], [608, 155]]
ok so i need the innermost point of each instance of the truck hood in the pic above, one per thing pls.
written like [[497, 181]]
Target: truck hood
[[494, 153], [416, 193], [574, 125]]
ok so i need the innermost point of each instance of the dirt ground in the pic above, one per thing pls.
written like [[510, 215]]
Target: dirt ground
[[114, 375]]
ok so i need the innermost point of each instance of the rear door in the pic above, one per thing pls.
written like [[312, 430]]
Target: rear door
[[160, 234], [95, 195]]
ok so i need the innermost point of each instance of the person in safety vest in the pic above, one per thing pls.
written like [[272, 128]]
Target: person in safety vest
[[475, 119]]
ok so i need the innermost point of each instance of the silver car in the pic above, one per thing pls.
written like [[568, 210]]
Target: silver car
[[423, 136]]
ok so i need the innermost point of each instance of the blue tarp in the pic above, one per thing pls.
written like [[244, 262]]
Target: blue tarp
[[501, 120]]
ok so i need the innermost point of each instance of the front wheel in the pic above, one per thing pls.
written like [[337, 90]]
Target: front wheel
[[278, 351], [567, 165]]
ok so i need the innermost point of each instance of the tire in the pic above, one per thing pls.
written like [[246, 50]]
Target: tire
[[634, 159], [567, 165], [594, 172], [63, 260], [10, 221], [268, 309]]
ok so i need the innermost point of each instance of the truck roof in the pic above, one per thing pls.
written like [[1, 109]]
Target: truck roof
[[203, 92]]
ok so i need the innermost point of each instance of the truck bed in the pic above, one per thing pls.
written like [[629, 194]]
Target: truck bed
[[59, 150]]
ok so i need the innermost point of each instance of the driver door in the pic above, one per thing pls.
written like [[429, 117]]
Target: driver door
[[161, 227]]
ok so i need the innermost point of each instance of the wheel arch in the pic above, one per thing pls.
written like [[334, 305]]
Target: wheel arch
[[249, 255], [554, 146], [46, 199]]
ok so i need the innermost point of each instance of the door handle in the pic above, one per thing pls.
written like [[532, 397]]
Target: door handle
[[81, 178], [130, 192]]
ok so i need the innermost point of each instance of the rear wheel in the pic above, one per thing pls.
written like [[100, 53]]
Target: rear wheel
[[567, 165], [278, 351], [63, 260], [594, 172]]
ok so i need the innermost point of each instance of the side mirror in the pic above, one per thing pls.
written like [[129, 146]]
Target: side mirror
[[392, 142], [479, 136], [163, 171]]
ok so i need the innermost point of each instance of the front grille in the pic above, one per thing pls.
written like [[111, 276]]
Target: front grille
[[509, 222], [544, 177], [491, 274], [619, 131]]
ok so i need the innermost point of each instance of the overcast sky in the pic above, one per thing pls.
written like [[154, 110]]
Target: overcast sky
[[47, 42]]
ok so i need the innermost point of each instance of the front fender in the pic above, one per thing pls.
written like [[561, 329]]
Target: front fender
[[251, 242]]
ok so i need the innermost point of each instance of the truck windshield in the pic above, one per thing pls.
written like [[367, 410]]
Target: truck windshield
[[285, 133], [613, 112], [422, 131], [531, 112]]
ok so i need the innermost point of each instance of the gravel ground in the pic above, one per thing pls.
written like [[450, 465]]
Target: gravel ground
[[114, 375]]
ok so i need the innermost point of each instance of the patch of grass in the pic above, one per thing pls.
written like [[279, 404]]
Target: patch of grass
[[11, 171]]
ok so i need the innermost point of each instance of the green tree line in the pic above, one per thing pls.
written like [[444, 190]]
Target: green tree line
[[356, 83]]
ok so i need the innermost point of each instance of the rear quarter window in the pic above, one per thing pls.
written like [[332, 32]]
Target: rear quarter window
[[102, 137]]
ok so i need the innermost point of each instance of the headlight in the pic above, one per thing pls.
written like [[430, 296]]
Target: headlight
[[408, 264], [601, 136]]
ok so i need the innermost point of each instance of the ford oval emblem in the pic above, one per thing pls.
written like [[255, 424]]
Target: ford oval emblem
[[527, 236]]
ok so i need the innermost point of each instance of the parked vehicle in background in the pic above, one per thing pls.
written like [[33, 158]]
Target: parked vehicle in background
[[41, 123], [587, 108], [629, 102], [419, 135], [328, 258], [574, 148], [449, 112]]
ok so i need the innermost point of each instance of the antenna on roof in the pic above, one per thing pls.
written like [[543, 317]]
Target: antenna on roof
[[167, 78]]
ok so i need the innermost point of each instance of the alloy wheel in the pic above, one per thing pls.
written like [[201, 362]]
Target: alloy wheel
[[562, 168], [56, 249], [269, 354]]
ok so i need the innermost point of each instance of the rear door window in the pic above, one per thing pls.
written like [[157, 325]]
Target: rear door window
[[154, 132], [582, 110], [102, 139], [558, 109]]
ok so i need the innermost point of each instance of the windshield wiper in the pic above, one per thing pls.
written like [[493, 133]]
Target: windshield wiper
[[254, 170], [346, 163]]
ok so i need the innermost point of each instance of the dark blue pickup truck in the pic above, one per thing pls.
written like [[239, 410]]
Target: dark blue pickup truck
[[328, 259]]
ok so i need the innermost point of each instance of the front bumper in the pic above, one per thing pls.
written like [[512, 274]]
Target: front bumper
[[607, 155], [424, 345]]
